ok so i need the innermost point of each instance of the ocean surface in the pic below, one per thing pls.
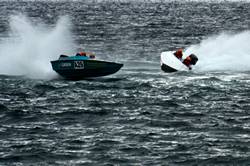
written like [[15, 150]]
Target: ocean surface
[[140, 115]]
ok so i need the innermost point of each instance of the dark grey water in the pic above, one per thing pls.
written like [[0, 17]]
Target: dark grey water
[[140, 115]]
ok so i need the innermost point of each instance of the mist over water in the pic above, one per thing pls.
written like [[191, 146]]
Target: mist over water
[[30, 47], [223, 52]]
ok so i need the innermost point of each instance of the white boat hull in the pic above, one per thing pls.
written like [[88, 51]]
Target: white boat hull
[[170, 63]]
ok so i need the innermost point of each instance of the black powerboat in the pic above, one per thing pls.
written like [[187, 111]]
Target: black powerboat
[[80, 67]]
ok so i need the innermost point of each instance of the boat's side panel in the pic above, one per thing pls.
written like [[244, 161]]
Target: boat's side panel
[[72, 69], [167, 68], [62, 65]]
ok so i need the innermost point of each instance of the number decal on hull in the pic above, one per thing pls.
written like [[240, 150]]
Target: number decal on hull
[[79, 64]]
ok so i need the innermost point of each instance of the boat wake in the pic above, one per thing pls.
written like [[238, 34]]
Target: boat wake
[[224, 52], [29, 47]]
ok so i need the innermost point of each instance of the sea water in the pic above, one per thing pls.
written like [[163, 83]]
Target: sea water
[[140, 115]]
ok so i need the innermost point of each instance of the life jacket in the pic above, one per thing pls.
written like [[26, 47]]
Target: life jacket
[[178, 54], [82, 53], [187, 61]]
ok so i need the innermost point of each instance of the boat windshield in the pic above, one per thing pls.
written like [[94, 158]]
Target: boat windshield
[[74, 58]]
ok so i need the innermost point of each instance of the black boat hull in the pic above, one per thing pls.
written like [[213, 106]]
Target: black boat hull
[[80, 69], [167, 68]]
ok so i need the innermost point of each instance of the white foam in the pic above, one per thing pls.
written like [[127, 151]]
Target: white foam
[[223, 52], [29, 48]]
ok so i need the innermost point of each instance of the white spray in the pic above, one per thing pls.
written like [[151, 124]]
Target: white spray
[[29, 48], [223, 52]]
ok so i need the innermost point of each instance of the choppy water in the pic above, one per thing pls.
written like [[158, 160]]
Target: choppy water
[[140, 115]]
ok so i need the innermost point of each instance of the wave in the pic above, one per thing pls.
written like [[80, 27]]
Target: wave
[[225, 51], [29, 47]]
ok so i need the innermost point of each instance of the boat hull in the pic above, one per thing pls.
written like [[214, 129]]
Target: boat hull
[[167, 68], [80, 69], [169, 63]]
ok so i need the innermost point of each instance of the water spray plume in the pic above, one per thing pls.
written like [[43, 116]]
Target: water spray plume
[[29, 47], [224, 52]]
